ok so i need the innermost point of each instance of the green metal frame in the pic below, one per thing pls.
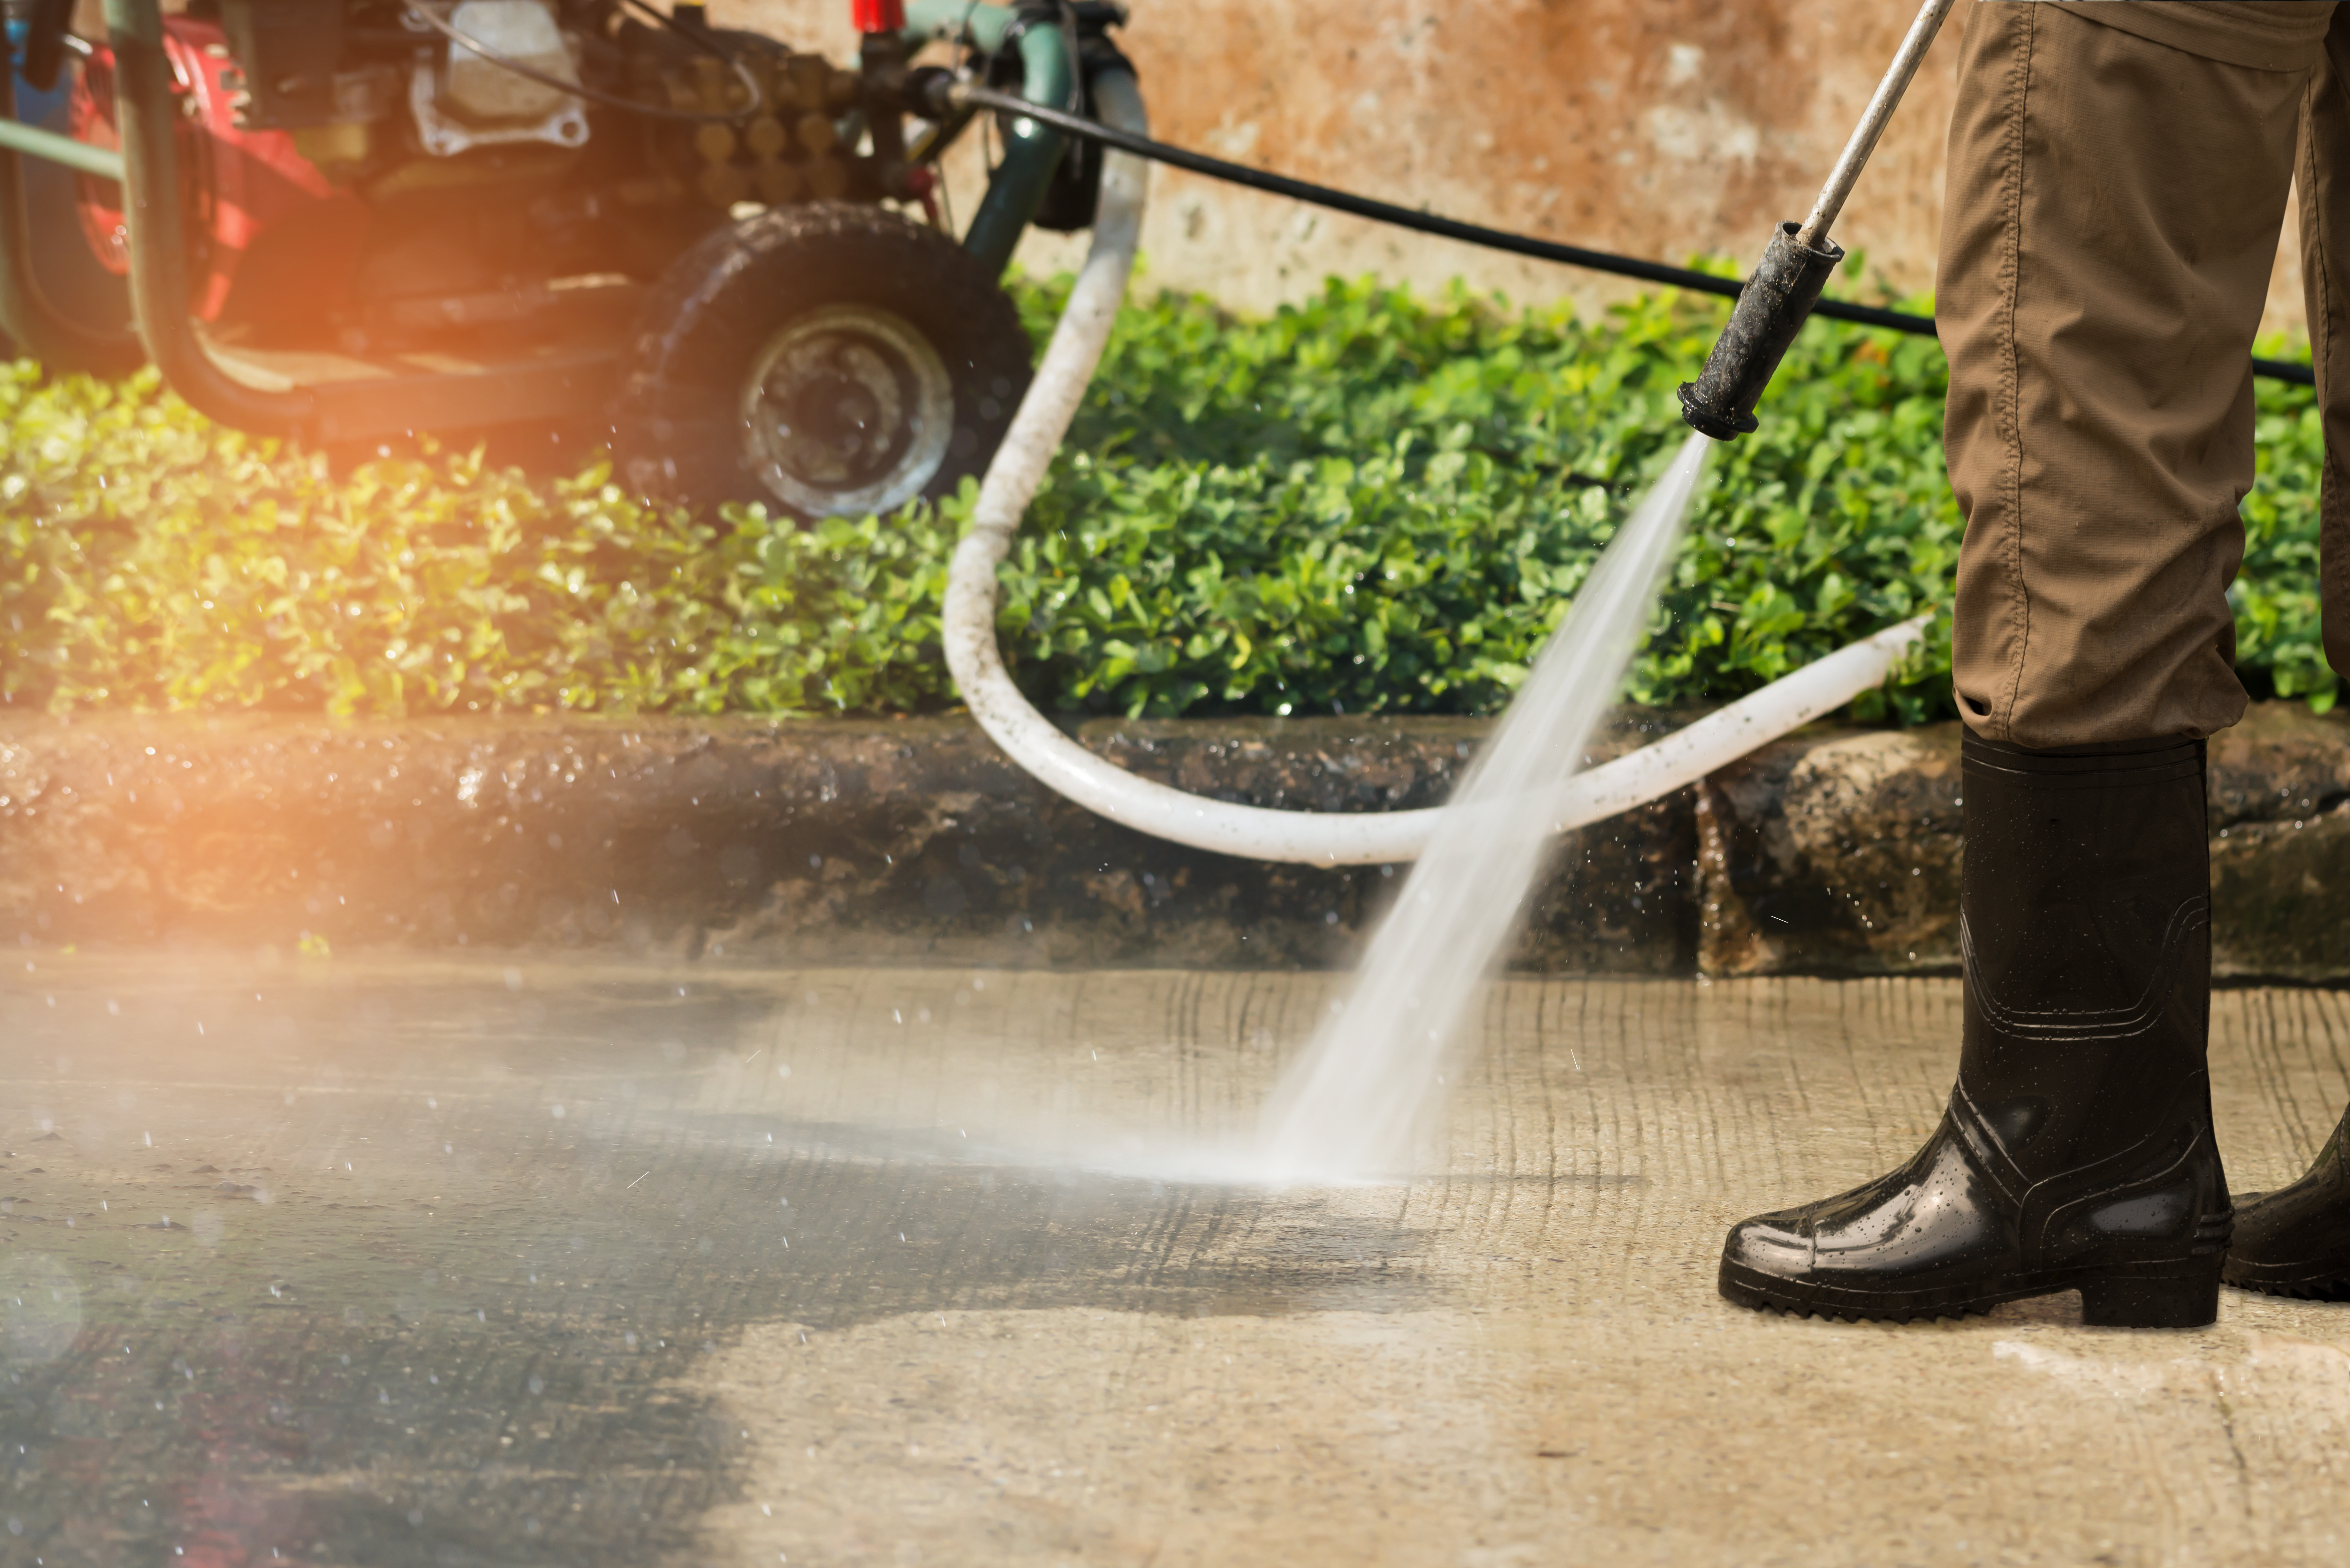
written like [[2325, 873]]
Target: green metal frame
[[353, 411], [79, 156], [26, 313], [148, 169], [1030, 151], [152, 213]]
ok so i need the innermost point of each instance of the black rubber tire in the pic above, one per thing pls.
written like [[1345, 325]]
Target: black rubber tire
[[680, 430]]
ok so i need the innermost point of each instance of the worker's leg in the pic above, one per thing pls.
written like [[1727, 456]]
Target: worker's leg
[[2296, 1242], [2109, 226], [2110, 222], [2324, 175]]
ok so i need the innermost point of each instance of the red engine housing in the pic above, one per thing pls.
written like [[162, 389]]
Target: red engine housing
[[271, 240]]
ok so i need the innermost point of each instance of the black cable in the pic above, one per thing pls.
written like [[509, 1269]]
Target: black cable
[[579, 90], [1474, 234]]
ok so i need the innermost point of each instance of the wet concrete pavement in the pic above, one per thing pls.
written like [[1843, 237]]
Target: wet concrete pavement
[[341, 1263]]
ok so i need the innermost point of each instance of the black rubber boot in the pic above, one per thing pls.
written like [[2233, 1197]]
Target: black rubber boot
[[2296, 1242], [2076, 1152]]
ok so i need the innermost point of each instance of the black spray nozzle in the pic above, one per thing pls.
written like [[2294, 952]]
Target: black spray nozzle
[[1770, 312]]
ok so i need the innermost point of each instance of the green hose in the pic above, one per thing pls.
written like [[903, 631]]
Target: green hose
[[1031, 152]]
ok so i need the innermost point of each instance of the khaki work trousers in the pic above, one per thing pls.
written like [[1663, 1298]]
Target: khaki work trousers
[[2118, 179]]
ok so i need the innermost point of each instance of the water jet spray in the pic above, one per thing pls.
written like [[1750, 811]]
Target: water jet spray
[[1319, 838]]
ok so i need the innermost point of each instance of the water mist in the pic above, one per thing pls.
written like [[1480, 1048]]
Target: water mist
[[1362, 1102]]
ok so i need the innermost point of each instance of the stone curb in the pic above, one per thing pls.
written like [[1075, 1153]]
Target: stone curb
[[822, 841], [1833, 850], [1838, 852]]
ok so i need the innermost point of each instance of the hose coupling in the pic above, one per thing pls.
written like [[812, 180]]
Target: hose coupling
[[929, 92]]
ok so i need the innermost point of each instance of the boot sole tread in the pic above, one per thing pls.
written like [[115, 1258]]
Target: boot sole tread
[[2174, 1295], [2321, 1290], [2329, 1283]]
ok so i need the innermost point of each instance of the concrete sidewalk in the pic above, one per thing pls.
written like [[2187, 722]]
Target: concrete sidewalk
[[422, 1263]]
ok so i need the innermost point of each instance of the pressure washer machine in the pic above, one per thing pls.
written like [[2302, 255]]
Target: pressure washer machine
[[342, 220]]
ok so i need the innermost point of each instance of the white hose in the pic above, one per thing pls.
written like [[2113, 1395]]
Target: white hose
[[1256, 832]]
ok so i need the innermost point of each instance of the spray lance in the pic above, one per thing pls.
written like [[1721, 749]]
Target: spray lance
[[1786, 285]]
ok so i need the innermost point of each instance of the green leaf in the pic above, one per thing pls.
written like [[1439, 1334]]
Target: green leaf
[[1366, 501]]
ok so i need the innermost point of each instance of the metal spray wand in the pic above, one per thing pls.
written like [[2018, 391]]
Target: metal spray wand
[[1796, 265]]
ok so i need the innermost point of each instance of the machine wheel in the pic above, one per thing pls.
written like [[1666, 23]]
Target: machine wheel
[[826, 359]]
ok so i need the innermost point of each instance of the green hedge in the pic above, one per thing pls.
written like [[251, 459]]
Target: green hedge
[[1366, 503]]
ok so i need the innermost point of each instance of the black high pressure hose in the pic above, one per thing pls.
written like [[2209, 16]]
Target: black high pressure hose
[[939, 94]]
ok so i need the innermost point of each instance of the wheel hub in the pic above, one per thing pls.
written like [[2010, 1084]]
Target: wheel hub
[[846, 410]]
